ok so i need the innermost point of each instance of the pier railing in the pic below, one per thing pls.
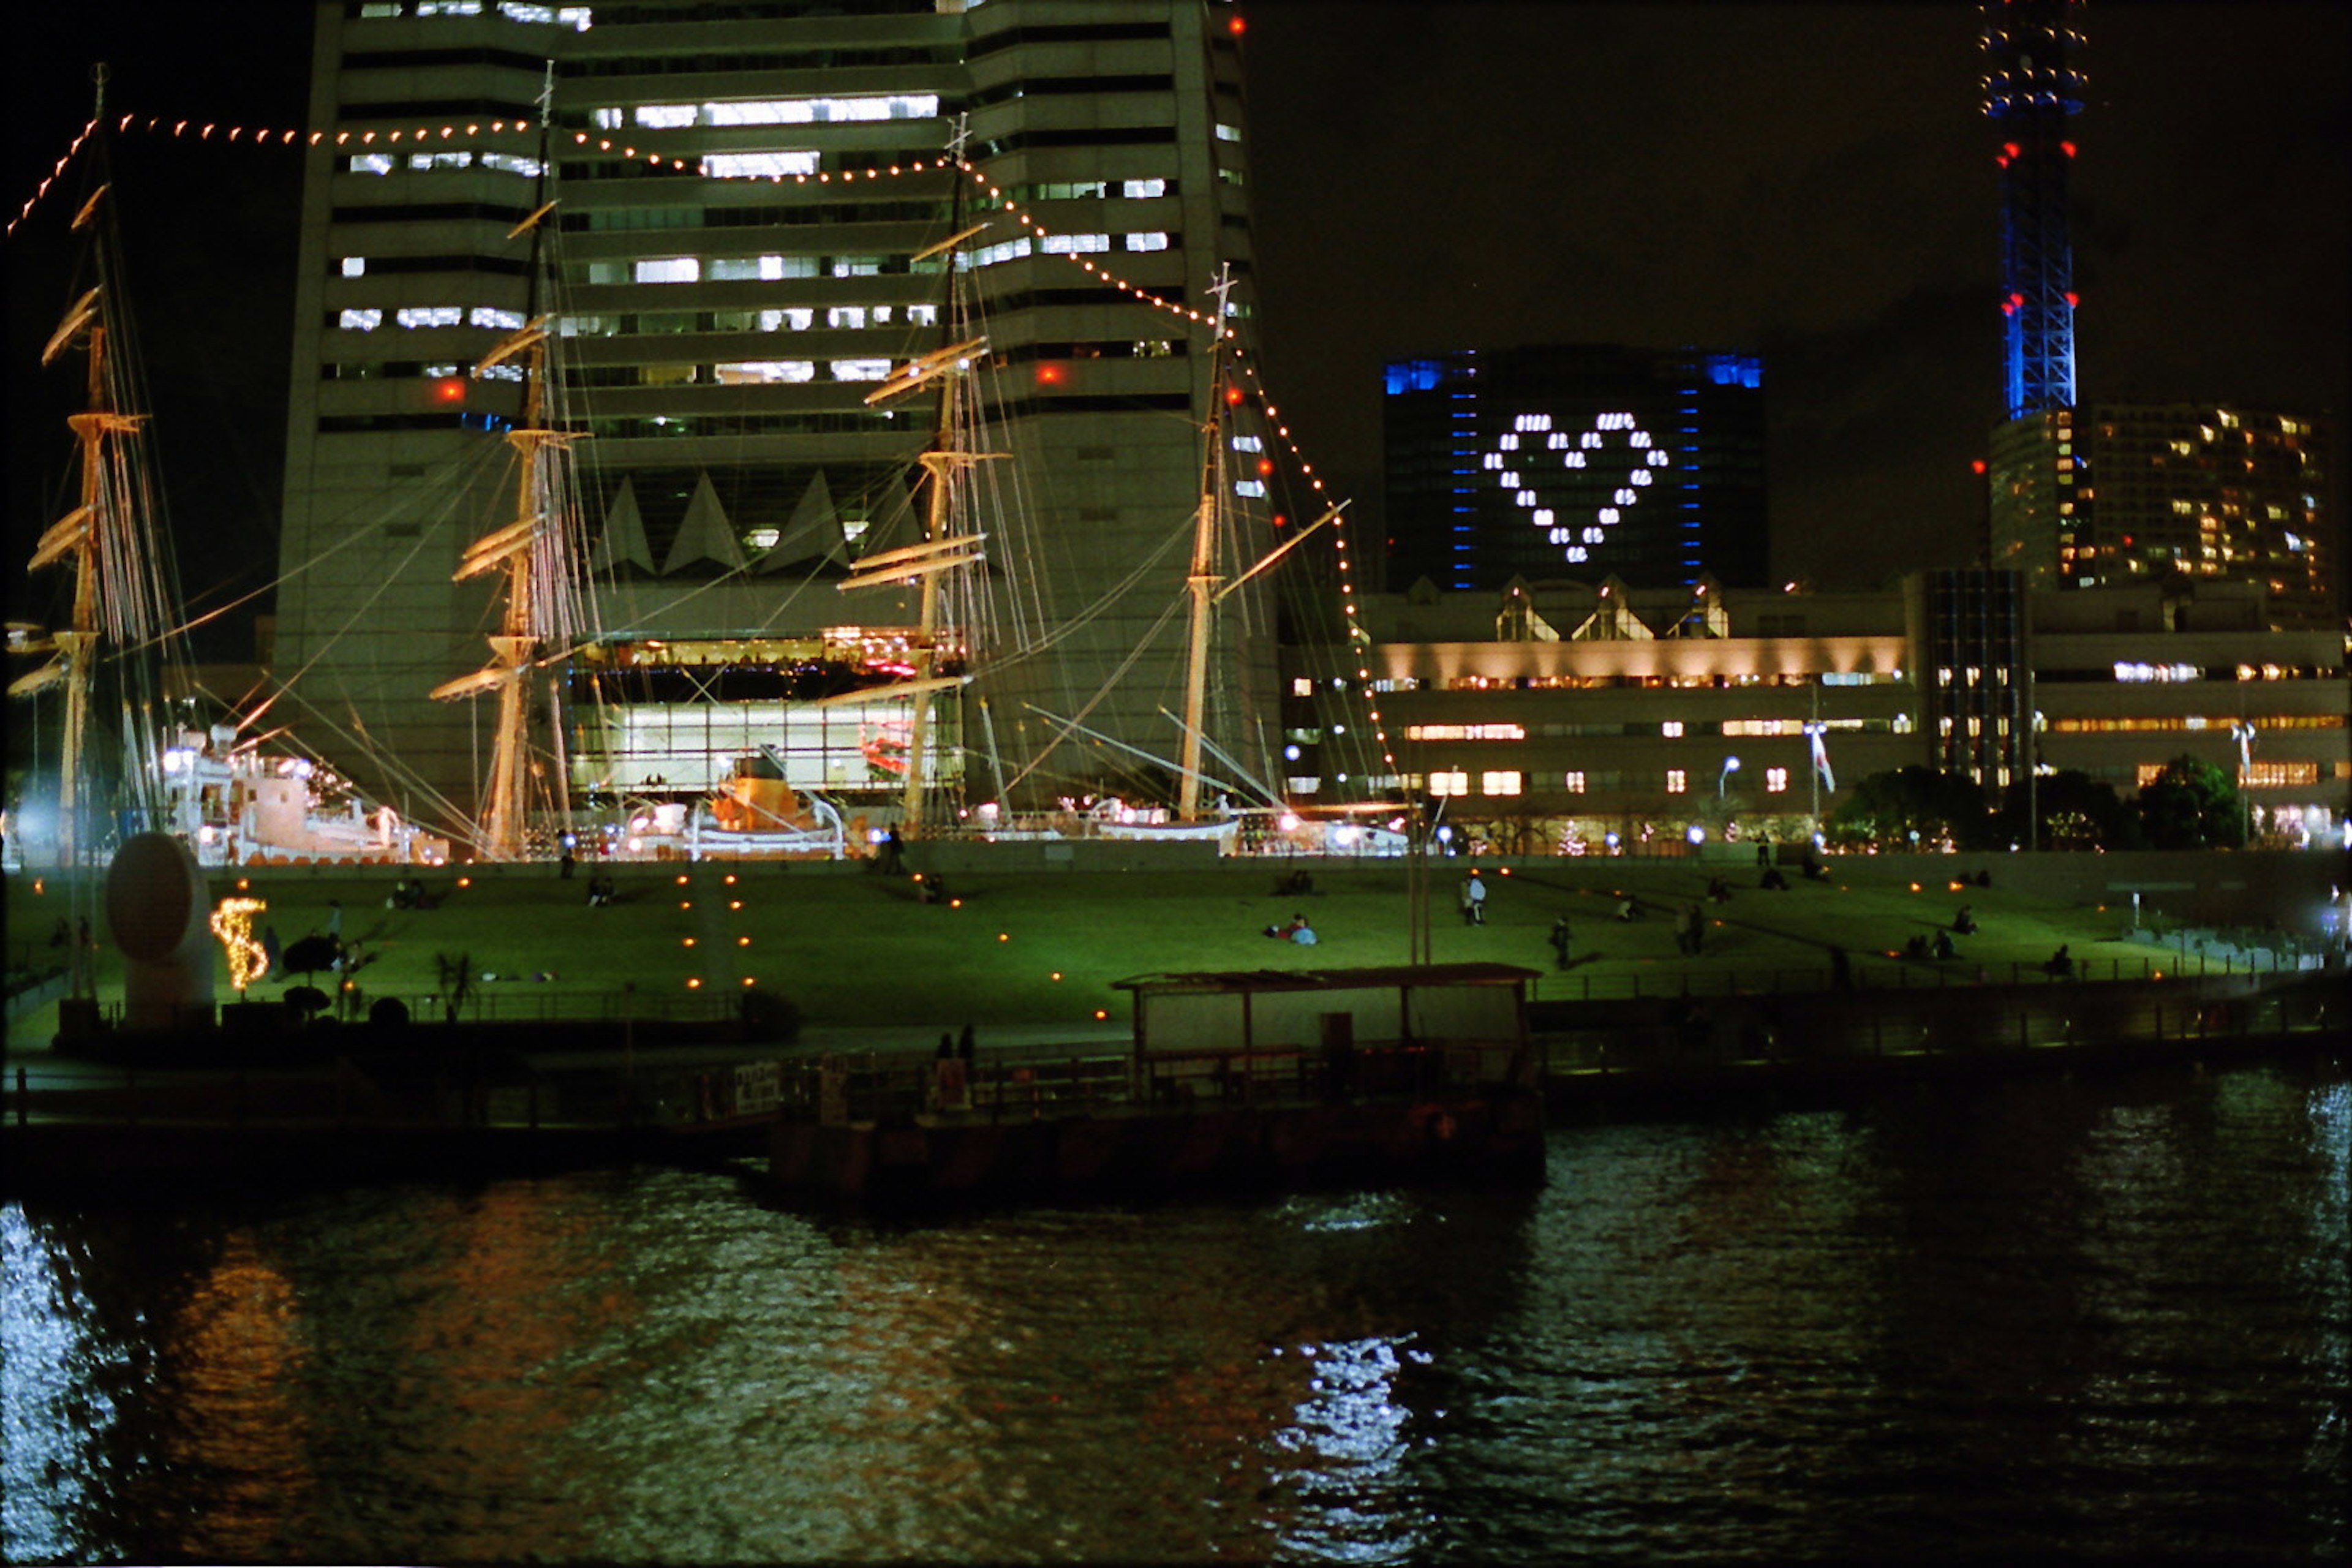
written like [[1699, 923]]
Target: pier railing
[[875, 1087], [2150, 1019], [1595, 979], [1701, 1030]]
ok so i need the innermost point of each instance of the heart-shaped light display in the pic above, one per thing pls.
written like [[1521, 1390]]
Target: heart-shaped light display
[[1532, 441]]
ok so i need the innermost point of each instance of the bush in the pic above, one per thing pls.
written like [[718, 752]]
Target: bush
[[309, 956], [307, 1002], [768, 1017], [388, 1013]]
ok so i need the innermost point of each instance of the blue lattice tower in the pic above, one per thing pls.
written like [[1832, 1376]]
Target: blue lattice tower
[[2031, 86]]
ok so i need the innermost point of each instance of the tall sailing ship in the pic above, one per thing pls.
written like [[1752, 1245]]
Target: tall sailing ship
[[568, 761], [128, 739]]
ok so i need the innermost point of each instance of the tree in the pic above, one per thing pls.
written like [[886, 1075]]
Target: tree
[[2192, 805], [2077, 812], [309, 955], [1887, 808]]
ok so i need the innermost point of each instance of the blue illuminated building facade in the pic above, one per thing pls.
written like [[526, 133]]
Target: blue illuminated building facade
[[2030, 88], [1576, 462]]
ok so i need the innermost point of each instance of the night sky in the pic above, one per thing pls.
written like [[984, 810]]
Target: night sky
[[1814, 183]]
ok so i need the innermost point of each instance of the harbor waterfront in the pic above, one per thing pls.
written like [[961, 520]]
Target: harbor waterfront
[[2103, 1314], [836, 973]]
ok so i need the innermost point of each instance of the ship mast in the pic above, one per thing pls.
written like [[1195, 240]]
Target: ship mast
[[528, 551], [942, 550], [537, 604], [118, 565], [1202, 580]]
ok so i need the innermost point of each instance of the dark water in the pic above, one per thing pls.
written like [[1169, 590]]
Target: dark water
[[2110, 1317]]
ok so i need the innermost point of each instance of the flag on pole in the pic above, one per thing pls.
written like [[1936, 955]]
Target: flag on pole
[[1821, 760]]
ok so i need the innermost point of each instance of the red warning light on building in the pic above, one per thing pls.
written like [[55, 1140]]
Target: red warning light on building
[[449, 389]]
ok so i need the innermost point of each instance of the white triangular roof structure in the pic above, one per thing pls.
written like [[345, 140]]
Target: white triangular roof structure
[[623, 543], [704, 535], [1517, 620], [1706, 617], [1612, 618], [813, 534], [895, 521]]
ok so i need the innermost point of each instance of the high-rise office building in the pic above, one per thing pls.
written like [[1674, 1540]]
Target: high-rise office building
[[1576, 462], [2137, 491], [747, 202]]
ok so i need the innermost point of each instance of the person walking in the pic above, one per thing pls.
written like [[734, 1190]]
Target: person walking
[[1559, 940], [1474, 899]]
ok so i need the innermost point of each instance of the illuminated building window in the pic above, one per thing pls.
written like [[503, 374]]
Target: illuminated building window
[[1228, 132], [757, 165], [2279, 775], [1465, 732], [1573, 783], [740, 371], [989, 255], [371, 163], [430, 315], [1147, 239], [1503, 782], [1300, 686], [1677, 781], [668, 269], [781, 111], [845, 316], [1251, 488], [1142, 190], [1073, 244], [354, 266], [1776, 781], [1454, 783], [860, 369], [363, 321], [1671, 729]]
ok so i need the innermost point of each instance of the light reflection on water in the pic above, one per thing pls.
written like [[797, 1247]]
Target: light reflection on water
[[2115, 1314]]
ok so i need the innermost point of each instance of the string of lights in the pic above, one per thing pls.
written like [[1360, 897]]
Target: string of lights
[[1358, 640], [51, 177]]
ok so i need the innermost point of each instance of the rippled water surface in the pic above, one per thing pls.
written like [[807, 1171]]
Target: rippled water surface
[[2110, 1316]]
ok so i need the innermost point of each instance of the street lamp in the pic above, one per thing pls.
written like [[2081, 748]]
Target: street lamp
[[1723, 779], [2242, 731]]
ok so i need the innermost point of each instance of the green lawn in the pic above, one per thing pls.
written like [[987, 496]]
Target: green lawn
[[854, 948]]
